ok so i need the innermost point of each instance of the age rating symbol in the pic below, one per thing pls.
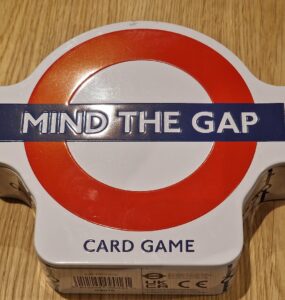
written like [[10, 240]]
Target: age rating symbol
[[89, 198]]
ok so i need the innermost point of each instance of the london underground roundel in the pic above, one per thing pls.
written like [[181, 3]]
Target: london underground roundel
[[184, 199]]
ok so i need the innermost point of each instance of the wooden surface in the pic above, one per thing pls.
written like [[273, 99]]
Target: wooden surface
[[253, 29]]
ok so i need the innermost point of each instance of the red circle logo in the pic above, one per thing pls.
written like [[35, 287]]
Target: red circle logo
[[177, 204]]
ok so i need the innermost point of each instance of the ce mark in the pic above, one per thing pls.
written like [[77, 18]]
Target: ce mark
[[186, 284]]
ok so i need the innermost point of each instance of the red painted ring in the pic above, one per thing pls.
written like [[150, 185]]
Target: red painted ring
[[180, 203]]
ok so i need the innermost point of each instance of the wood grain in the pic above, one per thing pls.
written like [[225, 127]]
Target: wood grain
[[253, 29]]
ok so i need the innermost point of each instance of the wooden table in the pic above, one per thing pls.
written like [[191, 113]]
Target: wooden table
[[253, 29]]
